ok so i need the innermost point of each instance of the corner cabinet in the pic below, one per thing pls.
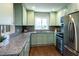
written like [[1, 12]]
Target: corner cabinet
[[31, 18], [6, 14]]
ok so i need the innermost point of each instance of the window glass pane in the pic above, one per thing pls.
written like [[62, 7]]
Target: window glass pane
[[37, 23], [44, 24], [41, 21]]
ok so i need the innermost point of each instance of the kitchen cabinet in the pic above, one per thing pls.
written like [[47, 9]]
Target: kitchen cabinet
[[6, 14], [24, 16], [73, 7], [60, 14], [34, 39], [30, 16], [42, 38], [50, 38], [18, 14], [52, 21], [26, 48]]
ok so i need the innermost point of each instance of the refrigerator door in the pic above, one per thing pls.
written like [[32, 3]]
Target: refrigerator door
[[66, 29], [71, 31], [75, 17]]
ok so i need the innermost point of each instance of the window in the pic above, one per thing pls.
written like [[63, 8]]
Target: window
[[41, 21]]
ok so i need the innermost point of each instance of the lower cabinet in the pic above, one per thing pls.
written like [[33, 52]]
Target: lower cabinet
[[43, 38], [25, 50]]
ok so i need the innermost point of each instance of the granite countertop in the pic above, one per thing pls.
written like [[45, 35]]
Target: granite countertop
[[41, 32], [15, 46]]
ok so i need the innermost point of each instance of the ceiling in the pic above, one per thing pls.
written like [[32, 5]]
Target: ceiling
[[45, 7]]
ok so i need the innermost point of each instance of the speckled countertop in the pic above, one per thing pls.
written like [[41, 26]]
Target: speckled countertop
[[15, 46]]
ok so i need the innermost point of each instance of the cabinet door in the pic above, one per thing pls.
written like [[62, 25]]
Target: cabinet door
[[27, 48], [73, 7], [6, 14], [24, 16], [39, 39], [51, 38], [21, 54], [44, 39], [18, 14], [52, 21], [34, 39], [54, 38], [30, 17]]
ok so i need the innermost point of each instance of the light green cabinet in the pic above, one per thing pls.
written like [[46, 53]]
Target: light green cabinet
[[34, 39], [52, 20], [30, 16], [6, 14], [26, 48], [43, 38], [60, 14], [18, 14], [50, 38], [73, 7], [24, 16], [54, 37]]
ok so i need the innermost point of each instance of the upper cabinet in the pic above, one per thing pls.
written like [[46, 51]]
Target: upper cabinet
[[60, 14], [53, 19], [6, 14], [73, 7], [18, 14], [24, 16], [31, 18]]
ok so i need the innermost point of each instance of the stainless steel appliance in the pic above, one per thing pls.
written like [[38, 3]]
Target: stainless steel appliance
[[71, 32], [60, 38], [60, 42]]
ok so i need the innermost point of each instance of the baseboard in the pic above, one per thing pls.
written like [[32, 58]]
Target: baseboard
[[42, 45]]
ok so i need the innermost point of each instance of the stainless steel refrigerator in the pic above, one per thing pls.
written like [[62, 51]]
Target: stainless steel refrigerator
[[71, 33]]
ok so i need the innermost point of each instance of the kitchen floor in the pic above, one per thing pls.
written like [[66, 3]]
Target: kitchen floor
[[44, 51]]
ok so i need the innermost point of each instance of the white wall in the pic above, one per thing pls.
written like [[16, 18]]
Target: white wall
[[6, 14]]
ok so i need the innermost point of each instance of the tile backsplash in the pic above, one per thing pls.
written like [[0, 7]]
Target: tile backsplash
[[28, 28], [13, 31], [31, 28], [52, 28], [18, 30], [4, 28]]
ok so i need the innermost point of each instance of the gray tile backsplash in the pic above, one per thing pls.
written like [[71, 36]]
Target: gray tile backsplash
[[18, 30], [31, 28], [28, 28]]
